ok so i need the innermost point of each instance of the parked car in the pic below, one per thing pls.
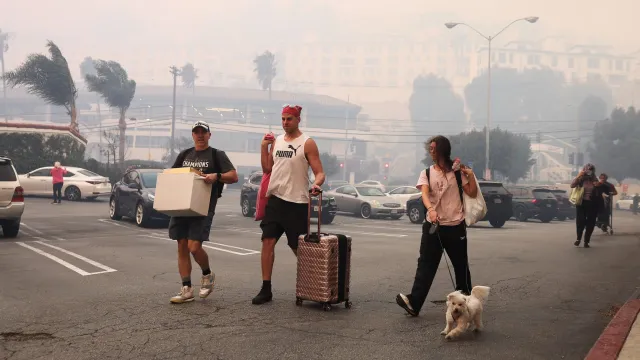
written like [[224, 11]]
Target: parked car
[[533, 202], [374, 183], [566, 210], [249, 196], [625, 202], [79, 183], [11, 199], [403, 194], [366, 201], [497, 198], [332, 184], [133, 197]]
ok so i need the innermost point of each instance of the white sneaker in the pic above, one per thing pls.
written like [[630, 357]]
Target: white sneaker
[[185, 295], [207, 285]]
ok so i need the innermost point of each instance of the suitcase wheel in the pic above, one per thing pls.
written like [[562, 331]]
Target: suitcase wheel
[[347, 304], [298, 302], [326, 307]]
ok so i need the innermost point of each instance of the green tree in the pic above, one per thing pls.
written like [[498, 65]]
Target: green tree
[[189, 74], [112, 83], [48, 78], [30, 151], [435, 107], [616, 145], [330, 164], [510, 153], [265, 69]]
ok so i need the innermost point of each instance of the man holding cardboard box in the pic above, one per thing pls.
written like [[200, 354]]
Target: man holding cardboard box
[[191, 231], [286, 211]]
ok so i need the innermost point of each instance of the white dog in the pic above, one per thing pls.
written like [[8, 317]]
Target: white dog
[[465, 312]]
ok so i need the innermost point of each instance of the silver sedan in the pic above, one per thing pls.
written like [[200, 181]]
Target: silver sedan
[[366, 201]]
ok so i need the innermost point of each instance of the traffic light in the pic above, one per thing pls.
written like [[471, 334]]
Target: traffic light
[[571, 159], [341, 165], [386, 165]]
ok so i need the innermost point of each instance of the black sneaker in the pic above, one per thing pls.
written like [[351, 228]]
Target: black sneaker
[[577, 243], [404, 303], [263, 296], [586, 245]]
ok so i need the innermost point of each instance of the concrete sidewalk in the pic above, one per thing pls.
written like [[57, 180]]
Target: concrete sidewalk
[[621, 338]]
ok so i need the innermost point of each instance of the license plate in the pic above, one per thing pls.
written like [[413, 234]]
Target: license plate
[[315, 208], [497, 201], [548, 205], [394, 211]]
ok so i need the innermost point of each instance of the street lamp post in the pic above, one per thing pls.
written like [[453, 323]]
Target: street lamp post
[[451, 25]]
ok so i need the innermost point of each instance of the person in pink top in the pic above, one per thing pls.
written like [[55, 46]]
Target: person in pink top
[[441, 195], [57, 173]]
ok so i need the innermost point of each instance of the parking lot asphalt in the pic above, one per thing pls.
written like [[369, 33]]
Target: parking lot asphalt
[[77, 285]]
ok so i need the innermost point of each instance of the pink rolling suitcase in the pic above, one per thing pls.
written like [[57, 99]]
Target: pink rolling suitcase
[[324, 266]]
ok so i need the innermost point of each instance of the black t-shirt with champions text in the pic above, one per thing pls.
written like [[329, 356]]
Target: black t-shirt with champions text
[[203, 161]]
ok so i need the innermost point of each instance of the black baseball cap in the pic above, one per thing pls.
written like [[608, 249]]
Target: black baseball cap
[[200, 124]]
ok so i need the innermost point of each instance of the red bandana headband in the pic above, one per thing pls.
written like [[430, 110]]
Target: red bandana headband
[[292, 110]]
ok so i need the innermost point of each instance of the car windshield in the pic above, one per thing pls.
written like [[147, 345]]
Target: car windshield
[[6, 171], [493, 188], [369, 191], [87, 173], [149, 179], [543, 194]]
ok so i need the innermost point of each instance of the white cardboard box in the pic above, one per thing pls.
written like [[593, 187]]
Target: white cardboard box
[[182, 194]]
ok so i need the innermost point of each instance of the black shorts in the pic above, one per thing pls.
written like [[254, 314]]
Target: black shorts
[[191, 228], [284, 217]]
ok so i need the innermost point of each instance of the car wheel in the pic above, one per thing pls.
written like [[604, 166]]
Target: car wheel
[[521, 215], [141, 215], [72, 193], [246, 207], [545, 219], [114, 214], [327, 219], [11, 230], [415, 215], [562, 218], [365, 211], [497, 223]]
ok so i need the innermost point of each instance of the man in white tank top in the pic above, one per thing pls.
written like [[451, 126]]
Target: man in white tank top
[[287, 210]]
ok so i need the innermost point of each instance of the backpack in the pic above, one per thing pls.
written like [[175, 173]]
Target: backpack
[[458, 180]]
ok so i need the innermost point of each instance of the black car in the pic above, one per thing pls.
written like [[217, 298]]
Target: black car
[[566, 210], [133, 195], [497, 198], [249, 196], [533, 202]]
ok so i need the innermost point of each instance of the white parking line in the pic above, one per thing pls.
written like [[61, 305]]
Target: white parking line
[[248, 251], [111, 222], [105, 269], [32, 229]]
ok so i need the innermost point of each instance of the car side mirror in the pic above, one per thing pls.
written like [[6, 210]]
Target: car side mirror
[[28, 175], [355, 195]]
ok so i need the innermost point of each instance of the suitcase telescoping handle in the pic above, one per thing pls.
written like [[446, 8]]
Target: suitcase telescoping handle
[[311, 237]]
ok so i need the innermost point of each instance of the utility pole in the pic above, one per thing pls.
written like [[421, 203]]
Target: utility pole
[[175, 72], [4, 47]]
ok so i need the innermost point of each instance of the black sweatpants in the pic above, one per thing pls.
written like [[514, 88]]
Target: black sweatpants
[[57, 192], [586, 215], [454, 242]]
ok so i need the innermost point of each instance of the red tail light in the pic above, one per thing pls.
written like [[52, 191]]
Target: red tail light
[[95, 182], [534, 201], [18, 195]]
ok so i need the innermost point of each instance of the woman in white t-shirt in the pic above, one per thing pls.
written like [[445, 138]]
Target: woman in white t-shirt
[[442, 199]]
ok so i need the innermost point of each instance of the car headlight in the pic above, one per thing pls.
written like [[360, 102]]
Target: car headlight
[[151, 197], [375, 203], [332, 201]]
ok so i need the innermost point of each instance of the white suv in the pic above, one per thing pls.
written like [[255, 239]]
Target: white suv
[[11, 199]]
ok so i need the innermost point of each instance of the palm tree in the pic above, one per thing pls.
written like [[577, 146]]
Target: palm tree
[[112, 83], [189, 74], [265, 70], [48, 78]]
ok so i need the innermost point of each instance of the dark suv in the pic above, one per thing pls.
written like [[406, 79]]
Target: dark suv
[[249, 196], [533, 202], [565, 208], [497, 198]]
